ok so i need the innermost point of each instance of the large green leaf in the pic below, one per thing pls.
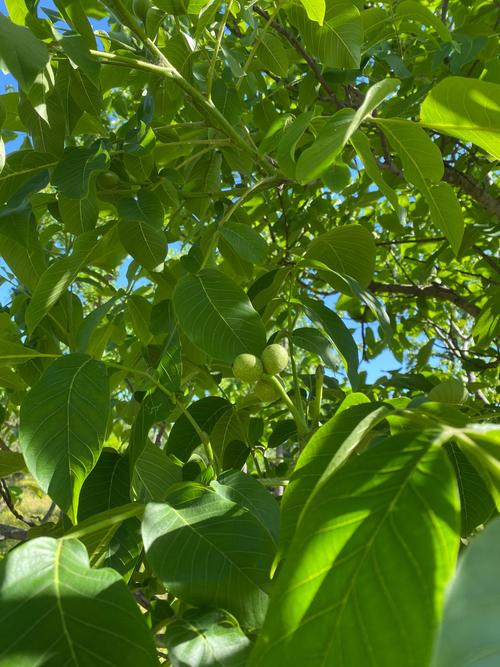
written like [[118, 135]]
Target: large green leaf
[[468, 635], [21, 168], [328, 448], [339, 335], [349, 249], [154, 473], [245, 241], [414, 11], [10, 462], [106, 487], [467, 109], [233, 553], [57, 277], [206, 638], [370, 558], [249, 492], [144, 242], [336, 133], [272, 55], [217, 316], [476, 503], [422, 162], [183, 438], [202, 638], [56, 611], [21, 53], [337, 43], [62, 426], [73, 173], [362, 147], [315, 10]]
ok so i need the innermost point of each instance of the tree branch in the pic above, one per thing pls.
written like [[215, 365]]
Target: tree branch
[[12, 533], [467, 185], [293, 41], [434, 291]]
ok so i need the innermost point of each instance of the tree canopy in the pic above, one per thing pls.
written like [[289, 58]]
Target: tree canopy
[[214, 219]]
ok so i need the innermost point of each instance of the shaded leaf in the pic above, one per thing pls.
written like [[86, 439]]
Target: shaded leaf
[[62, 426]]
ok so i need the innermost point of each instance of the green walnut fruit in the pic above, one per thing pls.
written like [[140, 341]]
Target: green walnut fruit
[[274, 358], [247, 367], [108, 180], [266, 391], [140, 8]]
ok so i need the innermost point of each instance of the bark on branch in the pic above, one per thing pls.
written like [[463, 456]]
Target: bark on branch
[[434, 291]]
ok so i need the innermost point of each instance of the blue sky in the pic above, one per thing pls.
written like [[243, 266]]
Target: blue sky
[[375, 367]]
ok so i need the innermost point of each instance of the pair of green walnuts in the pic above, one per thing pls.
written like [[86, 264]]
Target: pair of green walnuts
[[249, 368]]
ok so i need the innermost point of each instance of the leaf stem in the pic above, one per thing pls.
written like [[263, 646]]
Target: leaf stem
[[298, 418]]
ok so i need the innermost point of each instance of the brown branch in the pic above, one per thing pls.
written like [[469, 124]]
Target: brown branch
[[488, 259], [467, 185], [12, 533], [460, 180], [429, 239], [434, 291], [293, 41], [5, 493]]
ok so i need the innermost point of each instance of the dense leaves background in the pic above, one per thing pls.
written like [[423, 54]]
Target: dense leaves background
[[182, 182]]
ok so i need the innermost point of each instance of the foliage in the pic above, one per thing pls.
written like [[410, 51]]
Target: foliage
[[213, 219]]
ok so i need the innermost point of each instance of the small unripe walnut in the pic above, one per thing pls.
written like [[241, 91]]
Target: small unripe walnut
[[247, 367], [274, 358], [266, 392]]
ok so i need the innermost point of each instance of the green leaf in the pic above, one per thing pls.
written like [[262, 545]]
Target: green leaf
[[315, 10], [144, 242], [449, 391], [73, 173], [289, 141], [419, 155], [139, 310], [206, 638], [146, 206], [155, 406], [409, 9], [183, 438], [10, 462], [57, 278], [170, 367], [469, 629], [339, 335], [477, 505], [422, 161], [467, 109], [245, 241], [20, 168], [153, 475], [336, 43], [62, 426], [233, 552], [106, 487], [362, 147], [249, 493], [272, 55], [216, 315], [370, 558], [72, 614], [21, 53], [313, 341], [349, 250], [78, 215], [337, 132], [16, 353], [329, 447]]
